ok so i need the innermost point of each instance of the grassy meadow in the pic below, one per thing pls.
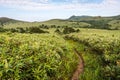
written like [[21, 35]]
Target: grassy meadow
[[103, 48], [45, 50]]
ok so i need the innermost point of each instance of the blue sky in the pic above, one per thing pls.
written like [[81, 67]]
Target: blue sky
[[40, 10]]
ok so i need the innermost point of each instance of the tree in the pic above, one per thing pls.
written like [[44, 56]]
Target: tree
[[21, 30], [68, 30], [58, 31], [77, 30], [36, 30]]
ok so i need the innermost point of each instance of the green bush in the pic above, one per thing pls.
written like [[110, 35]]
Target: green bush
[[68, 30]]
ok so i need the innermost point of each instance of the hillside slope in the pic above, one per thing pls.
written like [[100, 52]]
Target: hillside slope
[[98, 22], [63, 23], [111, 22], [5, 20]]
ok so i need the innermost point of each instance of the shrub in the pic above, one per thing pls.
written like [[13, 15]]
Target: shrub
[[68, 30], [58, 31], [36, 30]]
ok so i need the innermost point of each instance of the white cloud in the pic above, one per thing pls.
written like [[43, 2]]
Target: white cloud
[[46, 9], [26, 4], [112, 5], [106, 5]]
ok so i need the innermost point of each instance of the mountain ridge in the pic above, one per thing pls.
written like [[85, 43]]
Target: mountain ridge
[[99, 22], [70, 18], [5, 20], [85, 17]]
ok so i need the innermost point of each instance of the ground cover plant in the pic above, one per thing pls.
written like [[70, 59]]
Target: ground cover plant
[[104, 43], [35, 56]]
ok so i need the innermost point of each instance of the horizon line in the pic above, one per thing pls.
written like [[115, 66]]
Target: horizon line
[[59, 18]]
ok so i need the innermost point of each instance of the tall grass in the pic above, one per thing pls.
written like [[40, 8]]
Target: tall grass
[[35, 56]]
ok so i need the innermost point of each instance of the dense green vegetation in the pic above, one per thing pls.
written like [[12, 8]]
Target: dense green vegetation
[[92, 69], [44, 50], [104, 43], [24, 30], [35, 56]]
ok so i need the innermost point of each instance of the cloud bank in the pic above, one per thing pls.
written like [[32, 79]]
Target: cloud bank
[[49, 9], [65, 4]]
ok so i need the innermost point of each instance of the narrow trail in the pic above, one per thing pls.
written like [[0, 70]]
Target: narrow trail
[[89, 62], [80, 68]]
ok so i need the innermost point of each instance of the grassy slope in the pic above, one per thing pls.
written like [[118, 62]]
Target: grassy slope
[[5, 20], [74, 21], [56, 22], [21, 24], [114, 21], [115, 24], [87, 18]]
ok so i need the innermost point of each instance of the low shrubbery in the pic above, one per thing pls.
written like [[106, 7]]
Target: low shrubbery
[[24, 30], [67, 30]]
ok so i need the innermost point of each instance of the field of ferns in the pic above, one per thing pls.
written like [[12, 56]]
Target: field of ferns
[[48, 56], [104, 43], [35, 56]]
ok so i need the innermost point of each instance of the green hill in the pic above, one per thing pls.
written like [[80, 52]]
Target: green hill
[[111, 22], [60, 22], [98, 22], [78, 18], [5, 20], [87, 18], [49, 23], [115, 24]]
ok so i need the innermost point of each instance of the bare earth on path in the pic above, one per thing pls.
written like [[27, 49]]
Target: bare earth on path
[[80, 67]]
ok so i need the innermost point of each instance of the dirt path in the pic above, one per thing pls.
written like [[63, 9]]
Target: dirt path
[[80, 68]]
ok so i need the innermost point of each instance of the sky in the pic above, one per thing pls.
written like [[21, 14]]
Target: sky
[[41, 10]]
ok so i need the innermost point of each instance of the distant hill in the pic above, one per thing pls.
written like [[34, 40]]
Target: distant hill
[[63, 23], [78, 18], [98, 22], [112, 22], [87, 18], [5, 20], [116, 17]]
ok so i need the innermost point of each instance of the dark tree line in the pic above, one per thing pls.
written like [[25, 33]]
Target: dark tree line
[[24, 30], [66, 30], [98, 24]]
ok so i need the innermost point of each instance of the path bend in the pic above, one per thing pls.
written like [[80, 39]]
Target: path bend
[[80, 67]]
